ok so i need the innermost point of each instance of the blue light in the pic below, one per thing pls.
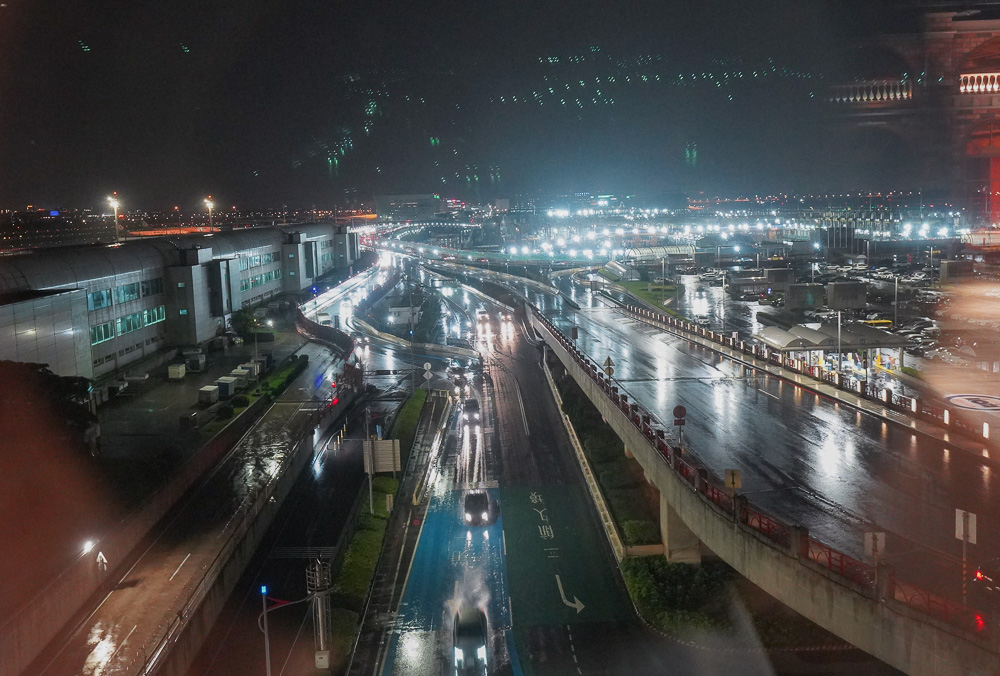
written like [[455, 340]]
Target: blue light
[[53, 213], [263, 589]]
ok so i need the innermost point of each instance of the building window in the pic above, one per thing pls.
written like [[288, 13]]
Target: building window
[[184, 312], [152, 286], [154, 315], [180, 285], [99, 299], [129, 323], [128, 292], [102, 333]]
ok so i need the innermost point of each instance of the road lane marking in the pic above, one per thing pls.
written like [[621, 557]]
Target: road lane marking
[[122, 644], [576, 603], [179, 567]]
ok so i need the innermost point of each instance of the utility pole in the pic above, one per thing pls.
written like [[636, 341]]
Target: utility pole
[[895, 304], [840, 357]]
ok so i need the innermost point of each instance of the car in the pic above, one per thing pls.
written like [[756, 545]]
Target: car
[[986, 583], [469, 636], [701, 320], [470, 410], [477, 508], [482, 315]]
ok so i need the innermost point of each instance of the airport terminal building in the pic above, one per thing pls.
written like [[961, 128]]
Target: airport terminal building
[[109, 312]]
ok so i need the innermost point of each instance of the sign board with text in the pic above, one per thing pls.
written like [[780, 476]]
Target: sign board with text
[[385, 455]]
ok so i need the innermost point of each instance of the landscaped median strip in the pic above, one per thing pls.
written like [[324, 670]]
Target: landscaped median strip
[[352, 582], [610, 529]]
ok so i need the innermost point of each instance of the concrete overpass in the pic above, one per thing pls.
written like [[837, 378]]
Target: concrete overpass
[[907, 627]]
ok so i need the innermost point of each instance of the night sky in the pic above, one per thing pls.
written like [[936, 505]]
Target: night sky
[[274, 102]]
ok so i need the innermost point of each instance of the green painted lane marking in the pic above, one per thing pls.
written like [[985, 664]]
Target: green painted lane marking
[[557, 569]]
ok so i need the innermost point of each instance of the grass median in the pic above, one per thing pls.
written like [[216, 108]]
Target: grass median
[[404, 427], [352, 581]]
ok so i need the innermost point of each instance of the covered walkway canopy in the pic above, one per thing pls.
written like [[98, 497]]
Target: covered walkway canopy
[[853, 338]]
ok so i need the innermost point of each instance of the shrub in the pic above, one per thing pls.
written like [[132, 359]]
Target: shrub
[[626, 504], [240, 400], [225, 412], [676, 596], [385, 484], [617, 477], [641, 532], [600, 449]]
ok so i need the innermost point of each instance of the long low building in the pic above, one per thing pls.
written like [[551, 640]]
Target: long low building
[[852, 338], [101, 311]]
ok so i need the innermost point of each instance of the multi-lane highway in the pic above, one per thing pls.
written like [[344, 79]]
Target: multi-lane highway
[[803, 458], [544, 571]]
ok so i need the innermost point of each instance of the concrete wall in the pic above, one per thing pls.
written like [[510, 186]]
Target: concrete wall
[[25, 634], [889, 630], [193, 625]]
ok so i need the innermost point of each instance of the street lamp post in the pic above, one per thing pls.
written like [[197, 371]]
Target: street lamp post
[[267, 642], [895, 304], [211, 205], [663, 280], [113, 201], [840, 357]]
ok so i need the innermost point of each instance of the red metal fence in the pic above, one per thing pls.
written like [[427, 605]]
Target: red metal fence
[[769, 527]]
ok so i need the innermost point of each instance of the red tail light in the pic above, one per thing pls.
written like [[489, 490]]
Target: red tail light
[[979, 575]]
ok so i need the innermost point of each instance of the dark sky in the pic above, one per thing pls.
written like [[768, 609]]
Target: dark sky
[[275, 101]]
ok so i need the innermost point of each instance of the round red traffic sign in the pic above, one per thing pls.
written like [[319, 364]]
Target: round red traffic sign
[[679, 411]]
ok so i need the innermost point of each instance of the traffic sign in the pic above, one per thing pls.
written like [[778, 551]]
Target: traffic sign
[[733, 479], [427, 366], [679, 411], [608, 362], [874, 544], [965, 526], [609, 370]]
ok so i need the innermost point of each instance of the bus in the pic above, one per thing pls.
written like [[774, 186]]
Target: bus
[[884, 324]]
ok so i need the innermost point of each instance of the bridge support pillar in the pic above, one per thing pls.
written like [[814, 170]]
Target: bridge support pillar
[[680, 545]]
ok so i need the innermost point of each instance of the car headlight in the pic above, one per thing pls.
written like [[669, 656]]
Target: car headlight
[[459, 656], [481, 653], [468, 516], [486, 515]]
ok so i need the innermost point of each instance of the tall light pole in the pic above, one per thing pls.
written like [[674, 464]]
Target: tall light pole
[[840, 357], [895, 304], [113, 201], [267, 642], [211, 205]]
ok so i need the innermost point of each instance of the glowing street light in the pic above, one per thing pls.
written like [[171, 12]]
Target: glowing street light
[[113, 201], [211, 205]]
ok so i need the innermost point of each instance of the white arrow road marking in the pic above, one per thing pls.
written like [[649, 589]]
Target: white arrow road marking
[[576, 603]]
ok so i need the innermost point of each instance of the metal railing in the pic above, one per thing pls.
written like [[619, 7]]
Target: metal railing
[[771, 528]]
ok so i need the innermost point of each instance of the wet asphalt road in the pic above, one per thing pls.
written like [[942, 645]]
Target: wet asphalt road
[[803, 458]]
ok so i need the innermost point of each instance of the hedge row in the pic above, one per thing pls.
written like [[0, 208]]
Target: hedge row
[[632, 501], [679, 596]]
